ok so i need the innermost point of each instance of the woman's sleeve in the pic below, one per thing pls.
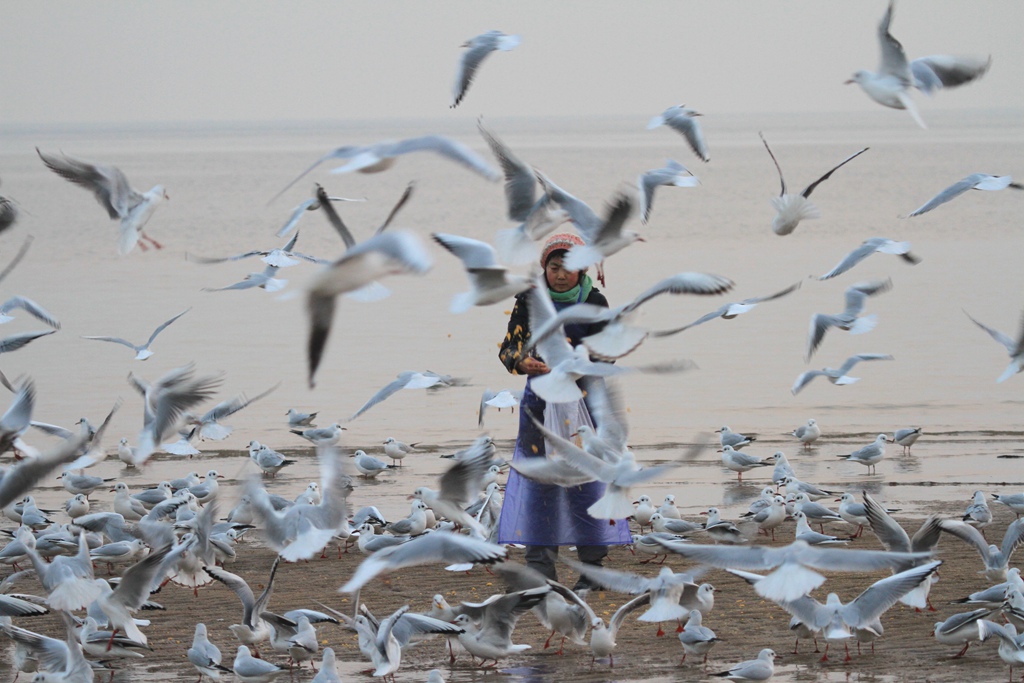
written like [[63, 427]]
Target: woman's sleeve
[[511, 351]]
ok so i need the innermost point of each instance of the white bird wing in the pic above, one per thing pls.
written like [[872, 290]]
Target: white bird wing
[[23, 477], [437, 547], [935, 72], [891, 534], [853, 360], [620, 614], [850, 260], [1010, 345], [385, 254], [582, 216], [473, 253], [576, 456], [451, 149], [16, 341], [116, 340], [883, 594], [553, 348], [390, 388], [520, 182], [32, 308], [894, 59], [107, 183], [950, 193], [691, 130], [683, 283], [160, 328]]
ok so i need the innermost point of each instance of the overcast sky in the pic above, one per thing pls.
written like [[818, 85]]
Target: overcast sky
[[256, 61]]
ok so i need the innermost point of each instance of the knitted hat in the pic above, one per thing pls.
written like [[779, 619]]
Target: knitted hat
[[563, 240]]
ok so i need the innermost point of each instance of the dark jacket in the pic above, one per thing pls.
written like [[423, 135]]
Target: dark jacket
[[511, 351]]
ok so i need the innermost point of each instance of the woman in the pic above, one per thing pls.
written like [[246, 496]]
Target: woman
[[541, 516]]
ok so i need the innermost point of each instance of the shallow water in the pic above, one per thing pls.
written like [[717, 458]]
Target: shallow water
[[219, 182]]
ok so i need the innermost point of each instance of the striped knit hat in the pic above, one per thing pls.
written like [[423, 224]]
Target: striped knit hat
[[563, 240]]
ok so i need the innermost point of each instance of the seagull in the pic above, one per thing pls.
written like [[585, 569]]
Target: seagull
[[795, 576], [248, 669], [304, 529], [205, 656], [387, 253], [506, 398], [536, 217], [731, 310], [808, 433], [1011, 645], [67, 579], [850, 319], [895, 539], [975, 181], [890, 85], [871, 246], [760, 669], [16, 420], [684, 122], [61, 661], [208, 425], [727, 437], [602, 238], [396, 450], [408, 379], [805, 533], [321, 436], [312, 204], [837, 376], [696, 638], [299, 419], [367, 465], [1014, 347], [478, 48], [253, 630], [1014, 501], [977, 514], [436, 547], [793, 208], [488, 625], [672, 174], [906, 437], [264, 280], [267, 459], [618, 335], [620, 477], [382, 155], [839, 621], [996, 558], [668, 590], [142, 351], [961, 628], [869, 455], [491, 281], [165, 400], [283, 257], [30, 307], [741, 462], [112, 191]]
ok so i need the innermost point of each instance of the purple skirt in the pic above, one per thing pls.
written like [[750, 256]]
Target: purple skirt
[[545, 514]]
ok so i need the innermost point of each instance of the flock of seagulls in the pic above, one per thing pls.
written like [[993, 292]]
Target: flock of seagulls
[[174, 532]]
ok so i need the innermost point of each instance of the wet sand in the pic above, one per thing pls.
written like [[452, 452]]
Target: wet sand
[[743, 621]]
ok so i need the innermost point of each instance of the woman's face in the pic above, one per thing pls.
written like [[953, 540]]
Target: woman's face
[[560, 279]]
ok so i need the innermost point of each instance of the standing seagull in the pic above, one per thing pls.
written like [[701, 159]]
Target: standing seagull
[[388, 253], [975, 181], [890, 85], [142, 352], [205, 656], [793, 208], [684, 122], [115, 195], [906, 438], [871, 454], [760, 669], [479, 47], [672, 173], [1014, 347]]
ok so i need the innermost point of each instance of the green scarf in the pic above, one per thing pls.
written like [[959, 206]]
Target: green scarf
[[573, 295]]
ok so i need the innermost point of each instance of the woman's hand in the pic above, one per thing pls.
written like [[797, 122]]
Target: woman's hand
[[532, 366]]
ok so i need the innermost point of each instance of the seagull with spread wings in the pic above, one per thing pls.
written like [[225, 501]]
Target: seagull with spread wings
[[1014, 347], [478, 48], [142, 351]]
